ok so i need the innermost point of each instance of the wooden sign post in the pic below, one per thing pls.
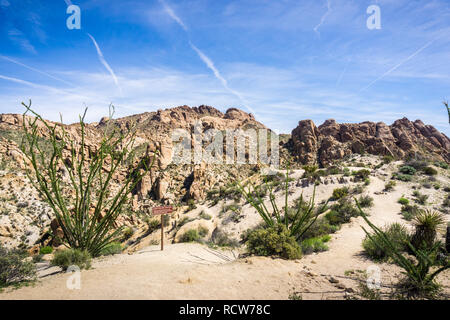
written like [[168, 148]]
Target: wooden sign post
[[162, 211]]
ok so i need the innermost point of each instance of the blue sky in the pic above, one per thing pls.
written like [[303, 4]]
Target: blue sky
[[282, 60]]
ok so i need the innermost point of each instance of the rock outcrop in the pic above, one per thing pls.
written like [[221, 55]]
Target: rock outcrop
[[333, 141]]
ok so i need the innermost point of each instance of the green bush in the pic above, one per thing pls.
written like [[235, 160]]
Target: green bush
[[46, 250], [13, 268], [342, 212], [222, 239], [317, 244], [402, 177], [429, 171], [127, 233], [193, 235], [273, 241], [396, 233], [407, 170], [320, 228], [420, 198], [69, 257], [361, 175], [441, 164], [365, 201], [111, 249], [390, 186], [204, 215], [417, 164], [388, 159], [403, 201], [409, 211], [340, 193]]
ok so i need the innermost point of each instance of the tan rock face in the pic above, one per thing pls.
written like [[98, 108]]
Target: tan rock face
[[332, 141]]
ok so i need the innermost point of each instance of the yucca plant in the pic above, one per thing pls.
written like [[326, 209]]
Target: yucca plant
[[420, 278], [84, 204], [427, 224], [297, 222], [448, 110]]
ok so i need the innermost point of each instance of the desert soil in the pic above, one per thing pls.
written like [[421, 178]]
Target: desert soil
[[194, 271]]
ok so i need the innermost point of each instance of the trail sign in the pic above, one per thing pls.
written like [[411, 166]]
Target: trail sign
[[162, 211]]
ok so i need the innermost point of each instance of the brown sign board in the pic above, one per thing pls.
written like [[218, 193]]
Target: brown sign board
[[162, 210]]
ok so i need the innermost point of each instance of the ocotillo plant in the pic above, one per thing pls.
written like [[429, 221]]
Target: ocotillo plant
[[448, 110], [297, 224], [84, 204]]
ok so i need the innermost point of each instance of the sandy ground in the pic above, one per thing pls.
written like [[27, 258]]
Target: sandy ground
[[194, 271]]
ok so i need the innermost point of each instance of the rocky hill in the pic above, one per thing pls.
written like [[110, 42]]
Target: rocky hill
[[332, 141], [24, 216]]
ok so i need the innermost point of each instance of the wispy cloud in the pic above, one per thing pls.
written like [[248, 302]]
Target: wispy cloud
[[18, 37], [105, 64], [173, 15], [322, 20], [35, 70], [208, 62]]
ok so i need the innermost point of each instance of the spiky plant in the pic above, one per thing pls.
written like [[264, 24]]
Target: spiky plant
[[296, 221], [448, 110], [420, 278], [427, 224], [84, 204]]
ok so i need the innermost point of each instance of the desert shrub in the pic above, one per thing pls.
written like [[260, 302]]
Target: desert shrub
[[333, 170], [13, 268], [365, 201], [192, 235], [153, 224], [222, 239], [127, 233], [409, 211], [273, 241], [403, 201], [346, 172], [317, 244], [441, 164], [191, 204], [366, 181], [397, 235], [402, 177], [340, 193], [390, 186], [417, 164], [420, 198], [357, 189], [205, 216], [46, 250], [427, 223], [70, 257], [407, 170], [446, 202], [111, 249], [430, 171], [342, 212], [361, 175], [388, 159], [320, 228]]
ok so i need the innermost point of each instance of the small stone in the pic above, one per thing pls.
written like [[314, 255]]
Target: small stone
[[333, 280]]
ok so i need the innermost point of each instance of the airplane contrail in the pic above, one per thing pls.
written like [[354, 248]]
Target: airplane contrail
[[172, 14], [208, 62], [322, 20], [35, 70], [40, 86], [399, 64], [105, 64]]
